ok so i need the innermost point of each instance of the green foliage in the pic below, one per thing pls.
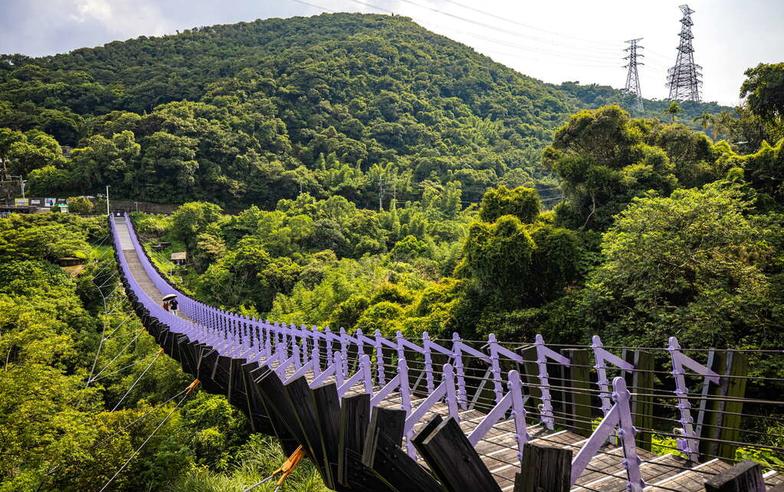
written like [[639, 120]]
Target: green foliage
[[80, 205], [693, 261], [521, 202], [764, 90], [369, 107]]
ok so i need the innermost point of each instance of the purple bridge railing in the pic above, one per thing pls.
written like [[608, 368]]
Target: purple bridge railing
[[327, 354]]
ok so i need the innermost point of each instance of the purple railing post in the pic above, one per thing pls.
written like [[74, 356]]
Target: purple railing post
[[601, 356], [328, 345], [619, 417], [344, 349], [451, 394], [428, 361], [495, 366], [360, 342], [367, 375], [380, 374], [316, 353], [405, 388], [626, 433], [542, 354], [518, 412], [457, 355], [401, 348], [689, 444], [339, 373]]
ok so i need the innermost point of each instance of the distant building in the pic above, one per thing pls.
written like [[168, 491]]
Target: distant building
[[179, 258]]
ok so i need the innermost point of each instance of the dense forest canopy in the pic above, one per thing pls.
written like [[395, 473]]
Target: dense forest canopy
[[368, 107]]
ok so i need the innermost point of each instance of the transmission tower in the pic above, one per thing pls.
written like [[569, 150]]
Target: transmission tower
[[685, 78], [632, 76]]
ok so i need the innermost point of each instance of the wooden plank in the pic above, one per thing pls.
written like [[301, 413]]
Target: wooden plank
[[277, 402], [399, 472], [713, 407], [327, 416], [455, 461], [640, 384], [386, 421], [544, 468], [743, 477], [737, 368], [579, 379], [352, 427], [280, 429], [304, 412]]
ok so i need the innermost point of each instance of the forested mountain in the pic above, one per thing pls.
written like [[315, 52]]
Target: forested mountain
[[369, 107]]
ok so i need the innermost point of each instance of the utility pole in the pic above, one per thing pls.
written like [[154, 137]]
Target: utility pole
[[108, 213], [632, 76], [685, 78]]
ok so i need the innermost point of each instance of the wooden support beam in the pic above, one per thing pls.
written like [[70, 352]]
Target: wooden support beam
[[280, 426], [383, 421], [710, 410], [640, 384], [352, 428], [544, 468], [578, 377], [454, 460], [531, 378], [743, 477], [327, 415], [304, 412], [737, 368]]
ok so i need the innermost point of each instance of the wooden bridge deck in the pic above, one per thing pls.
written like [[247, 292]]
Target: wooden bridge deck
[[299, 415]]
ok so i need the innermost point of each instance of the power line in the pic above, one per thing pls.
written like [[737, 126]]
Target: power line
[[545, 46]]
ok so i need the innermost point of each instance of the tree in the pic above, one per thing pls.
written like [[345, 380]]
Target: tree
[[80, 205], [673, 110], [764, 90], [191, 219], [521, 202], [706, 120], [694, 261], [604, 159], [35, 150]]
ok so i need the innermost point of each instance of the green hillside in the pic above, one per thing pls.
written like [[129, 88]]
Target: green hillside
[[369, 107]]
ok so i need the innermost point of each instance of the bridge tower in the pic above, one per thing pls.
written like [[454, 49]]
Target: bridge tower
[[685, 78], [632, 75]]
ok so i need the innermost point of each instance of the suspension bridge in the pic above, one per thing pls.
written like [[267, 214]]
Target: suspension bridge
[[395, 414]]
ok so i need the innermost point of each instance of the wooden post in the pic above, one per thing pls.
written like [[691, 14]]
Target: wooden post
[[354, 418], [304, 416], [640, 383], [327, 415], [387, 460], [743, 477], [709, 419], [578, 378], [383, 421], [544, 468], [454, 460], [737, 368]]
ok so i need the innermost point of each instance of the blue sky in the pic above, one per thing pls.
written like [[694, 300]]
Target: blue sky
[[556, 40]]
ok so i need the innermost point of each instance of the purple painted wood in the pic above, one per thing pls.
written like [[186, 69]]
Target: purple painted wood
[[543, 353], [689, 443], [620, 417], [603, 357]]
